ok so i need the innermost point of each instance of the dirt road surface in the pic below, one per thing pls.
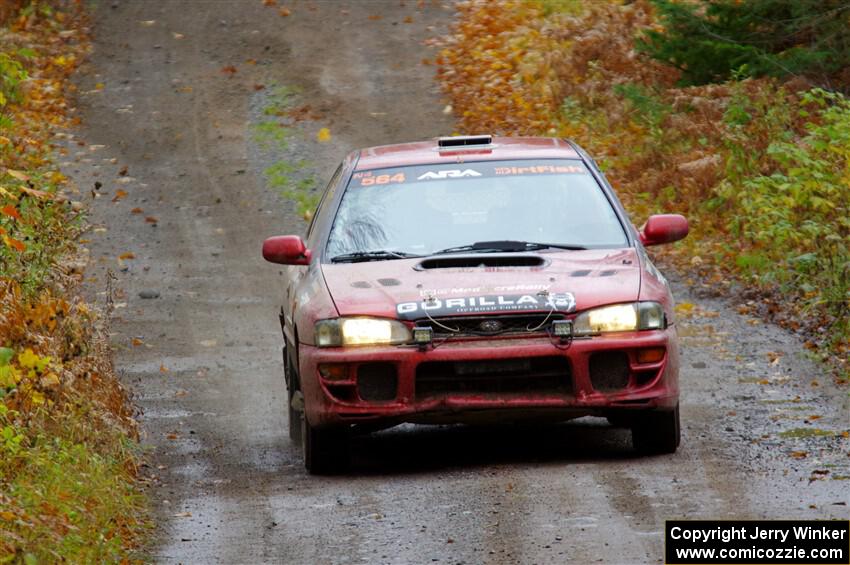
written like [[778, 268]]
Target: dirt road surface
[[172, 93]]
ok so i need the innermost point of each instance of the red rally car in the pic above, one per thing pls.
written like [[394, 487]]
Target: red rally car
[[475, 279]]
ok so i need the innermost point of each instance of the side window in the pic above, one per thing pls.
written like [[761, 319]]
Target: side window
[[326, 196]]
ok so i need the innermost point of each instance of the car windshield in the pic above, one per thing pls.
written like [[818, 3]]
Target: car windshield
[[421, 210]]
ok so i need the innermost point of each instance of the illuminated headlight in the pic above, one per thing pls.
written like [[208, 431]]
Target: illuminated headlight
[[620, 318], [360, 331]]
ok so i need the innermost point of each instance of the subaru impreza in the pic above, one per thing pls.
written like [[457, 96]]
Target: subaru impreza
[[475, 279]]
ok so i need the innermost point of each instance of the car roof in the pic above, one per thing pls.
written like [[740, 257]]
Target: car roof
[[429, 152]]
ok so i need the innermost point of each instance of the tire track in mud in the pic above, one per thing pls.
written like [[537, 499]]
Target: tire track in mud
[[500, 494]]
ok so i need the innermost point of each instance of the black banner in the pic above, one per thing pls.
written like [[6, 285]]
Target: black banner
[[759, 542]]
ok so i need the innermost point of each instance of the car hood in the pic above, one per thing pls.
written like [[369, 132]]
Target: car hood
[[576, 280]]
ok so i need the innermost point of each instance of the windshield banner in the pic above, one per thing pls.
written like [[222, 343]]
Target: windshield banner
[[479, 169]]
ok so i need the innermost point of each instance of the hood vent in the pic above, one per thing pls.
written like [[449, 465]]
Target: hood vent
[[480, 261]]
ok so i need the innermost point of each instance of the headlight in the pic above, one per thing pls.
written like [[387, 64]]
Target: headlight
[[360, 331], [620, 318]]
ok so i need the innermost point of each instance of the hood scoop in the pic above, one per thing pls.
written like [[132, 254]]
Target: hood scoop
[[480, 261]]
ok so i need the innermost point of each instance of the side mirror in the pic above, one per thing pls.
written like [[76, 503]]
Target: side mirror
[[663, 228], [286, 250]]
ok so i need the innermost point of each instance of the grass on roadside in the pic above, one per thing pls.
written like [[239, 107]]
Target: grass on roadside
[[69, 490], [273, 134]]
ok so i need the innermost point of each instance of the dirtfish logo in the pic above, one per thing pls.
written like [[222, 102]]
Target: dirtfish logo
[[448, 174]]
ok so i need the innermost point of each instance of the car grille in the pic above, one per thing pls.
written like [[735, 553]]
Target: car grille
[[514, 324], [540, 375]]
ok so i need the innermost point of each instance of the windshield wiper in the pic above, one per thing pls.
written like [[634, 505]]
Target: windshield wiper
[[506, 246], [379, 255]]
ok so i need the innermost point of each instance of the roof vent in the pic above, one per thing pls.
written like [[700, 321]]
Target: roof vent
[[465, 141]]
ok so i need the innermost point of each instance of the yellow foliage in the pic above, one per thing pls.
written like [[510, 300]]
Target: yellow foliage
[[9, 376], [29, 360]]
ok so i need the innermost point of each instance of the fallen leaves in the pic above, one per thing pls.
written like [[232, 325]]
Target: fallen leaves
[[119, 195], [127, 255], [229, 70], [15, 244], [323, 135], [49, 381], [18, 175], [684, 308], [40, 194], [10, 211], [773, 357]]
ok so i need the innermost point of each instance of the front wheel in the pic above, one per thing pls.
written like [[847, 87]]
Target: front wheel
[[325, 449], [657, 432]]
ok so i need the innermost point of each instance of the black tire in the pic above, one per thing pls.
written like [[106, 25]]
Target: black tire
[[292, 386], [657, 432], [295, 425], [325, 449], [619, 420]]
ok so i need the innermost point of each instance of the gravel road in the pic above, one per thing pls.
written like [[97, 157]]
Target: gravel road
[[170, 105]]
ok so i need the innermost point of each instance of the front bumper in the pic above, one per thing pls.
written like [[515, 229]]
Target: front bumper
[[568, 393]]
